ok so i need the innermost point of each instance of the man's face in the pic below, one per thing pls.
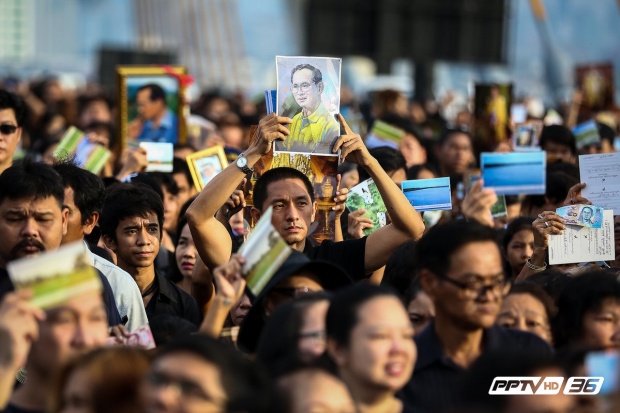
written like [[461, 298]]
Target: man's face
[[293, 210], [587, 214], [456, 153], [30, 226], [184, 382], [186, 188], [137, 242], [147, 109], [556, 152], [307, 94], [476, 263], [78, 325], [75, 230], [8, 142]]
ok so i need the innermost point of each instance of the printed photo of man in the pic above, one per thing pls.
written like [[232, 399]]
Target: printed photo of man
[[155, 121], [314, 129]]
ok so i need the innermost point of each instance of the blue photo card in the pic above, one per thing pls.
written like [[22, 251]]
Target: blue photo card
[[428, 194], [514, 173], [270, 100]]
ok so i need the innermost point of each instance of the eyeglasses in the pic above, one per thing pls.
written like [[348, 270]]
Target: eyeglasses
[[475, 286], [185, 388], [304, 87], [319, 335], [293, 292], [6, 129]]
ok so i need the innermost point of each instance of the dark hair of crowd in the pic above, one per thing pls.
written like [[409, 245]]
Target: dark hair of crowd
[[88, 188], [29, 179], [246, 386], [400, 268], [129, 200], [276, 175], [389, 159], [342, 315], [560, 135], [434, 250], [9, 100], [582, 294], [278, 346]]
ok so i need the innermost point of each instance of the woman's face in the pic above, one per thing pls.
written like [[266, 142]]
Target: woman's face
[[240, 310], [421, 311], [381, 352], [171, 210], [601, 326], [312, 333], [76, 394], [522, 311], [186, 253], [519, 250], [350, 179]]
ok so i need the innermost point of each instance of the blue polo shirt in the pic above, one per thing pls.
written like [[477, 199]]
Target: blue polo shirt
[[167, 130]]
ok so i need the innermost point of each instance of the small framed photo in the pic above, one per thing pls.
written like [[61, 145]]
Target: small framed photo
[[204, 165], [151, 104]]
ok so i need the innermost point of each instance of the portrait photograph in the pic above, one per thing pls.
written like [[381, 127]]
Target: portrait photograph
[[492, 114], [206, 164], [308, 91], [596, 83], [151, 105]]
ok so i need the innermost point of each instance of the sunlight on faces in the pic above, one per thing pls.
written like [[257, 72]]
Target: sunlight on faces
[[30, 226], [310, 98], [601, 326], [293, 210], [137, 242], [524, 312], [240, 310], [8, 143], [421, 311], [314, 391], [186, 253], [311, 348], [519, 250], [412, 150], [185, 383], [78, 325], [381, 352], [453, 303]]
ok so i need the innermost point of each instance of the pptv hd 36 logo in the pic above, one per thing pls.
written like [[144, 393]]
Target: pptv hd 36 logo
[[546, 385]]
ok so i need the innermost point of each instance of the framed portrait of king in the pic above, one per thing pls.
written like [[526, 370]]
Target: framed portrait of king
[[151, 104], [308, 91]]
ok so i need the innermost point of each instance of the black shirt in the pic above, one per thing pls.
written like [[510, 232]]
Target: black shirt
[[170, 299], [435, 382], [348, 254], [11, 408]]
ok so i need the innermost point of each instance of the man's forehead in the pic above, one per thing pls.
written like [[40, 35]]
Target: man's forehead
[[150, 217], [292, 188], [302, 74], [31, 204]]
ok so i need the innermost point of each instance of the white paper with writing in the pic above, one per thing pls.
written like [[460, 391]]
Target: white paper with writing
[[601, 174], [583, 244]]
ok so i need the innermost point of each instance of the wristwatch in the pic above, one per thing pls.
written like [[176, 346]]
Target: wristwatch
[[242, 163]]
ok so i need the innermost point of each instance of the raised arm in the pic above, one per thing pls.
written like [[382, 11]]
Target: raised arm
[[210, 236], [406, 221]]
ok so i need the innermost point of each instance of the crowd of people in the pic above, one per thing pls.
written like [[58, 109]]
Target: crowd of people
[[419, 316]]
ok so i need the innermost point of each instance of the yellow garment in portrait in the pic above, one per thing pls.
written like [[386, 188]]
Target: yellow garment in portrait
[[315, 133]]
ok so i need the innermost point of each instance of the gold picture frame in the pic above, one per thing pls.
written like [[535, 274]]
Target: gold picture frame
[[205, 164], [130, 80]]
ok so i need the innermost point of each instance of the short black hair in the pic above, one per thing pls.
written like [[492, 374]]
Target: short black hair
[[390, 159], [536, 291], [85, 101], [157, 92], [276, 175], [606, 132], [179, 166], [108, 127], [400, 268], [10, 100], [560, 135], [165, 180], [88, 188], [434, 250], [516, 225], [317, 76], [342, 315], [449, 132], [557, 186], [28, 179], [580, 295], [129, 200], [247, 387]]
